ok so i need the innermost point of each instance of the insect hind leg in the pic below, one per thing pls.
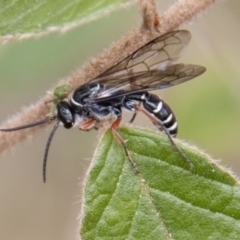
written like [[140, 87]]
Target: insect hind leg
[[161, 116]]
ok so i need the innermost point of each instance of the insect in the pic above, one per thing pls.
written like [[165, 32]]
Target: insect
[[126, 86]]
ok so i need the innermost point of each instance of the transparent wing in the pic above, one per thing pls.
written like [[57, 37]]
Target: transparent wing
[[156, 54], [151, 80], [148, 68]]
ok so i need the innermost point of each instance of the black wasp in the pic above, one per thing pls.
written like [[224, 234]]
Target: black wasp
[[127, 85]]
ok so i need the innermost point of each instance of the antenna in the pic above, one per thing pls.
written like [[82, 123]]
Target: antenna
[[29, 125], [47, 149], [49, 138]]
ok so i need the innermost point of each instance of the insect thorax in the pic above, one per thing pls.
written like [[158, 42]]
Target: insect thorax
[[82, 93]]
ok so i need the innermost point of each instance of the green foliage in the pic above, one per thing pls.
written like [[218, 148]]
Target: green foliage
[[165, 200], [36, 16], [59, 94]]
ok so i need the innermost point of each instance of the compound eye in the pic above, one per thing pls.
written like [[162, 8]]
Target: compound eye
[[65, 114]]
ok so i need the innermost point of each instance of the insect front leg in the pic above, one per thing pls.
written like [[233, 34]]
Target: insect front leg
[[88, 125]]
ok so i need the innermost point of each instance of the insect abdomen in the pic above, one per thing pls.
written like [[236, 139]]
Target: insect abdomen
[[160, 110]]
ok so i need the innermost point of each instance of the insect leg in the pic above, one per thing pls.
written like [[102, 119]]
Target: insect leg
[[114, 127], [134, 115], [88, 125], [163, 128], [161, 116]]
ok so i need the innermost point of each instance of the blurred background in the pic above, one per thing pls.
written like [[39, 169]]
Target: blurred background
[[207, 108]]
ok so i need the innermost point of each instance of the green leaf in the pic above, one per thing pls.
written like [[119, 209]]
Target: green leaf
[[166, 200], [36, 16]]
